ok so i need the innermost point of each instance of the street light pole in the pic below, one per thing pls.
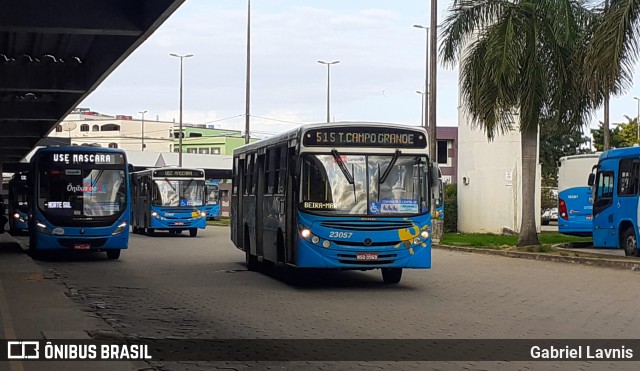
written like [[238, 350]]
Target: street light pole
[[247, 136], [638, 118], [181, 134], [426, 123], [433, 80], [423, 102], [142, 113], [328, 86]]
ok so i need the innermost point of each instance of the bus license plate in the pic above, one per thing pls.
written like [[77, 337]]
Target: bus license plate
[[82, 246], [178, 223], [367, 256]]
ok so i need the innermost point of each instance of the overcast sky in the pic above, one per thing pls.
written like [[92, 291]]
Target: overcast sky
[[382, 64]]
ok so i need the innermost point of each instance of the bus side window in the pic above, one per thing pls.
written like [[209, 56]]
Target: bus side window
[[281, 177], [626, 182], [603, 192]]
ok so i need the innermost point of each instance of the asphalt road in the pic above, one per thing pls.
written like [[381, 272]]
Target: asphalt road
[[196, 288]]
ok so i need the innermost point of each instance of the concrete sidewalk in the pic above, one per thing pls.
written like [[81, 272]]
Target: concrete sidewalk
[[34, 307]]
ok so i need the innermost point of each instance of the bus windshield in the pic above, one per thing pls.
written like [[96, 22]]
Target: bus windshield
[[81, 192], [19, 193], [212, 195], [179, 192], [382, 185]]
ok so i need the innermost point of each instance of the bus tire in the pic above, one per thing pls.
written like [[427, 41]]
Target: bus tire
[[629, 242], [193, 232], [113, 254], [391, 275], [249, 259]]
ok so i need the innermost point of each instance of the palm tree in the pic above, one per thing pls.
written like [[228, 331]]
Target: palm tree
[[520, 57], [614, 49]]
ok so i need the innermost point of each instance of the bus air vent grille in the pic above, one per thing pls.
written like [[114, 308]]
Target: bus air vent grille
[[367, 226]]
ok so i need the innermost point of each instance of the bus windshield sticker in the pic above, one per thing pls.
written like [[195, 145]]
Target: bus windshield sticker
[[374, 207], [391, 205], [73, 172]]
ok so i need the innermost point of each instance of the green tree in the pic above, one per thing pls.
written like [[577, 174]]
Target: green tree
[[614, 48], [623, 134], [524, 57], [556, 142]]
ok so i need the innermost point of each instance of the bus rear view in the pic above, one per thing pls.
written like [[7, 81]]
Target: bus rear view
[[80, 200], [574, 194]]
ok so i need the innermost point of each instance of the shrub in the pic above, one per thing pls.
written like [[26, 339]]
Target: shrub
[[451, 208]]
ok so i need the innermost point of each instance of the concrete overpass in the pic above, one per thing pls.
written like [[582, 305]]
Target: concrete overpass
[[53, 54]]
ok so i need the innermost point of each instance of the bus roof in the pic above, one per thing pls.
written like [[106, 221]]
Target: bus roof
[[584, 155], [296, 133], [621, 152]]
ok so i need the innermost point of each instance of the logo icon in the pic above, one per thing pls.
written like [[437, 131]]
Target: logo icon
[[23, 349]]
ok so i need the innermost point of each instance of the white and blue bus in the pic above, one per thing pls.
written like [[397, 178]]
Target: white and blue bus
[[80, 200], [18, 205], [574, 194], [615, 199], [168, 199], [347, 195], [212, 203]]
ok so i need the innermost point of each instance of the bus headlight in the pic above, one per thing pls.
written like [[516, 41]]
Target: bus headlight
[[424, 234], [16, 216], [305, 233], [326, 244], [154, 214], [121, 228], [315, 239], [203, 214], [43, 229], [417, 241]]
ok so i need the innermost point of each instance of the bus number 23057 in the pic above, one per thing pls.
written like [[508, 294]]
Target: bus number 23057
[[334, 234]]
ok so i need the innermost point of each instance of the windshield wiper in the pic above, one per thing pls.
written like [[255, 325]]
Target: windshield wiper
[[342, 166], [387, 171], [170, 185]]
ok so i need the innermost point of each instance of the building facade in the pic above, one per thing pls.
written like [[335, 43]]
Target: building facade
[[204, 140], [86, 127], [447, 153]]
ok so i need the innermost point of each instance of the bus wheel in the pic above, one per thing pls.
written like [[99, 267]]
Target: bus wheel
[[391, 275], [193, 232], [113, 254], [629, 242]]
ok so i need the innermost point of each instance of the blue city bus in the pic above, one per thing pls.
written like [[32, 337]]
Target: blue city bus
[[574, 194], [615, 199], [18, 204], [346, 195], [168, 199], [212, 202], [80, 200]]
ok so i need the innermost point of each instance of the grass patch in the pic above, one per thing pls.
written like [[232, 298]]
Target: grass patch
[[498, 241], [224, 221]]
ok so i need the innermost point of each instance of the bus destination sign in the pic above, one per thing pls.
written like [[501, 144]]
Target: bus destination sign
[[364, 137], [90, 158], [178, 173]]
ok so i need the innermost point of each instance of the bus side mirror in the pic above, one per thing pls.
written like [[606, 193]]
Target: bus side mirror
[[435, 179], [592, 180]]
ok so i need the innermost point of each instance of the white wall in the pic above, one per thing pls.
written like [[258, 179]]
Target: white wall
[[490, 198], [158, 135]]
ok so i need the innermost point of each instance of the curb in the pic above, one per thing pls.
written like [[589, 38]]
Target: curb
[[599, 262]]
